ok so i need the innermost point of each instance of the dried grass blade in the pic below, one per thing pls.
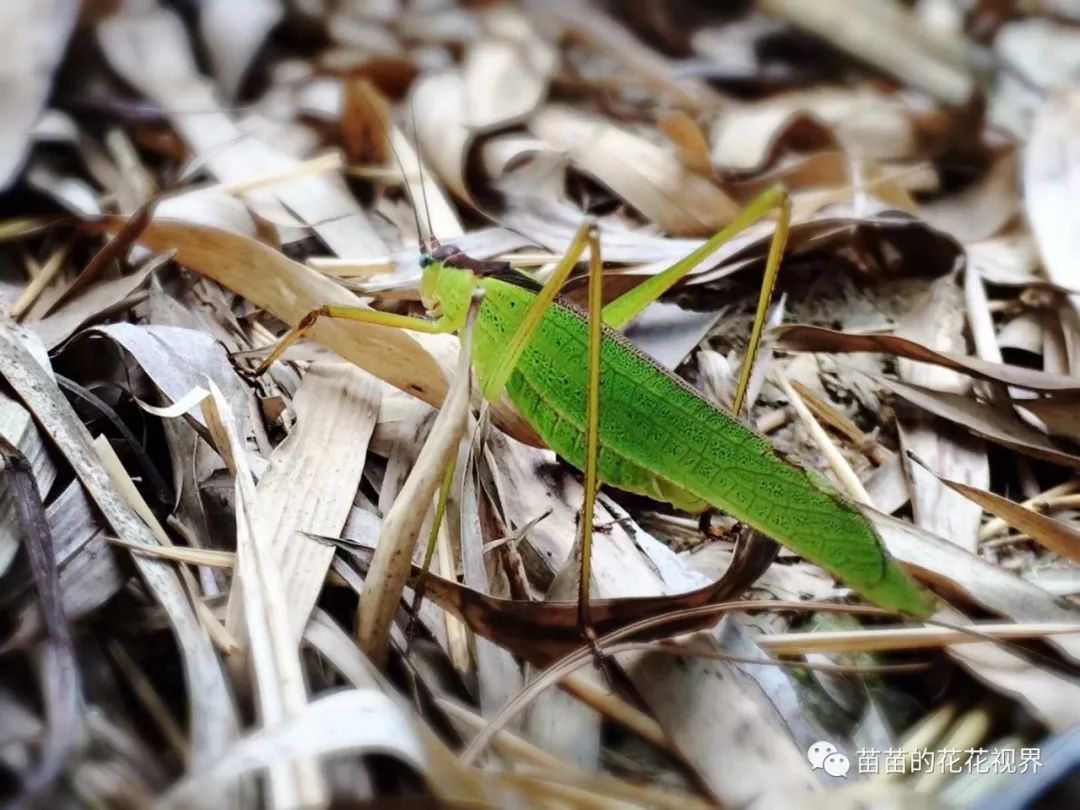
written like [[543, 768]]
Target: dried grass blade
[[392, 562], [887, 639], [191, 556], [257, 614], [114, 249], [130, 493], [356, 720], [840, 466]]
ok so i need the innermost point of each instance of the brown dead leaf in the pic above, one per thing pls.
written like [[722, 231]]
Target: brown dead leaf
[[803, 338], [97, 301], [119, 243], [541, 632], [1057, 536], [1060, 415], [364, 123], [689, 140], [992, 423]]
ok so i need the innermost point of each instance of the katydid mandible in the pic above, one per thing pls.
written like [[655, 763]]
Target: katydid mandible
[[658, 437]]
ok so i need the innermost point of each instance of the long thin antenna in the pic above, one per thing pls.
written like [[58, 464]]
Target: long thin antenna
[[367, 92], [420, 170]]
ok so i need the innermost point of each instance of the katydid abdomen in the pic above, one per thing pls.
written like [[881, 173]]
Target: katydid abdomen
[[660, 438]]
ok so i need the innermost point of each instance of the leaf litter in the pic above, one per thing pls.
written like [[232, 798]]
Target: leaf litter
[[208, 580]]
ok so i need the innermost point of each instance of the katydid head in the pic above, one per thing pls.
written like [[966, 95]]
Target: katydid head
[[450, 275], [445, 286]]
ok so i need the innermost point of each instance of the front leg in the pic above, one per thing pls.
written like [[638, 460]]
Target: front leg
[[441, 325]]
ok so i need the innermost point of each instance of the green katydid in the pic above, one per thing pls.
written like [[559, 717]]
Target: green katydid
[[654, 435]]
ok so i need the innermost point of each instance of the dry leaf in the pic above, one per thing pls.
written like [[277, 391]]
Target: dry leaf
[[800, 337], [954, 570], [983, 209], [349, 721], [313, 476], [647, 176], [60, 685], [36, 40], [90, 573], [289, 290], [506, 76], [257, 614], [611, 38], [99, 300], [150, 49], [266, 158], [983, 420], [1051, 175], [442, 127], [213, 723], [939, 323], [1057, 536], [401, 528], [540, 632], [890, 38], [18, 429], [689, 140], [233, 31]]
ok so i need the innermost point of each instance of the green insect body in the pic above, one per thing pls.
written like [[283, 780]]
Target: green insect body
[[661, 439]]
